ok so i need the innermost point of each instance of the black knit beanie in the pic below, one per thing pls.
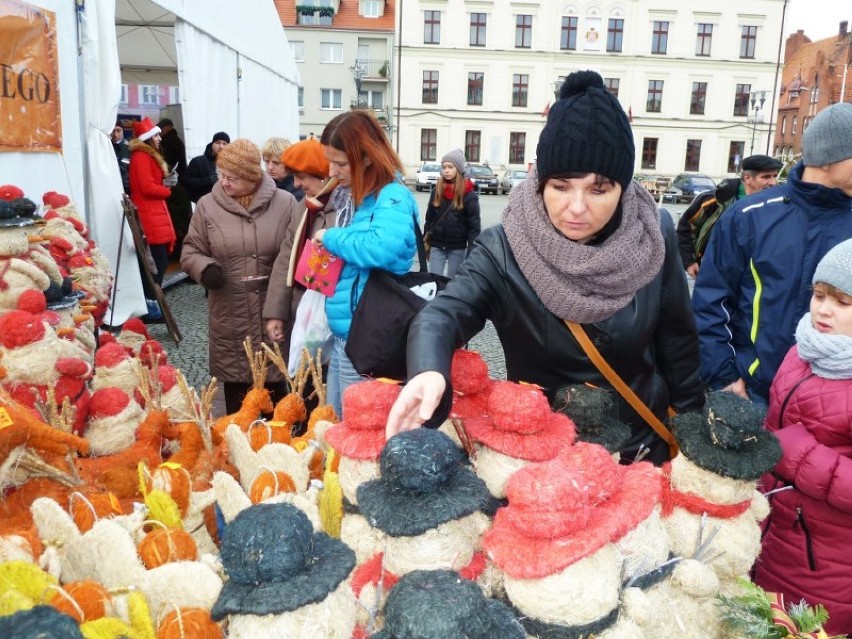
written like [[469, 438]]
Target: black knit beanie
[[587, 131]]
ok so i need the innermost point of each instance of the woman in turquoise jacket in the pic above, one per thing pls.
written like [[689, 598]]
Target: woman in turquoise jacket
[[380, 235]]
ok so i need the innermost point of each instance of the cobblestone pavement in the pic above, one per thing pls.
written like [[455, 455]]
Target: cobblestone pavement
[[189, 306]]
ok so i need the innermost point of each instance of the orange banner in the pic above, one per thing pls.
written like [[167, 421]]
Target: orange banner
[[29, 79]]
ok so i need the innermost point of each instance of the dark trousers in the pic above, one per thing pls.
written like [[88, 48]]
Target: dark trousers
[[160, 254]]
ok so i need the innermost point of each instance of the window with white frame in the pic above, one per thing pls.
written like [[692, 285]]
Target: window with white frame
[[149, 94], [331, 98], [331, 52], [174, 95], [371, 8], [301, 97], [123, 98], [298, 49]]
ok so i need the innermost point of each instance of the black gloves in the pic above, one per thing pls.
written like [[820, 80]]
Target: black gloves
[[213, 277]]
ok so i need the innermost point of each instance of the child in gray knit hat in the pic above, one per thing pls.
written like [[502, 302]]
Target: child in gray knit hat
[[809, 405]]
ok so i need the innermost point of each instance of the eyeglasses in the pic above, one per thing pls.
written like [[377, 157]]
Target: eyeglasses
[[228, 179]]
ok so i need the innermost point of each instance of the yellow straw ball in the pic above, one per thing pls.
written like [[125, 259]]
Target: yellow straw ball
[[106, 628], [13, 601], [28, 579]]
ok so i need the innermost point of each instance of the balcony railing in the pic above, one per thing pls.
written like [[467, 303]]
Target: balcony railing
[[374, 70]]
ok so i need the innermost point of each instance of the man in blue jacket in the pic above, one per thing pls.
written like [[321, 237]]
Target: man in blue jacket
[[755, 277]]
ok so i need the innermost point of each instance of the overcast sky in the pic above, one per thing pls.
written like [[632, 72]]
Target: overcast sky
[[819, 18]]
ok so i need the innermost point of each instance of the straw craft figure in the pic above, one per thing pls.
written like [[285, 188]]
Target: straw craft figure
[[713, 484], [257, 400]]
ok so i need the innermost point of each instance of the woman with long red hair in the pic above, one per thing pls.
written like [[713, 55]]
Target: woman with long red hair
[[380, 235]]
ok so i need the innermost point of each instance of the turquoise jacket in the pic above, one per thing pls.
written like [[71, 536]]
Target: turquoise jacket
[[381, 235]]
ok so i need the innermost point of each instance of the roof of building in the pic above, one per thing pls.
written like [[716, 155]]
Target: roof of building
[[346, 18], [800, 69]]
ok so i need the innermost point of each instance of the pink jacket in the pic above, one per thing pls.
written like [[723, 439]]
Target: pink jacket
[[805, 550]]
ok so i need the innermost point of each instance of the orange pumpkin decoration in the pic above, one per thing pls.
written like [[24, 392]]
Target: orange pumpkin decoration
[[165, 545], [84, 600], [188, 623], [87, 509], [175, 480], [272, 432], [269, 484]]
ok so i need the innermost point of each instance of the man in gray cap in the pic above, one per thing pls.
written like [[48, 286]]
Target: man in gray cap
[[754, 282], [759, 172]]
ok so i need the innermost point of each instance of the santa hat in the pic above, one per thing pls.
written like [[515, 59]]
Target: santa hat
[[10, 192], [113, 419], [135, 326], [145, 129], [55, 200], [361, 435], [151, 350], [19, 328], [110, 355], [168, 377], [35, 302]]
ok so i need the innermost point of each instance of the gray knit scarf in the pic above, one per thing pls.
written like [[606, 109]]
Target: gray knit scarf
[[830, 356], [579, 282]]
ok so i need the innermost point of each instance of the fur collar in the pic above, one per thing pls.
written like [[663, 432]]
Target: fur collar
[[137, 145]]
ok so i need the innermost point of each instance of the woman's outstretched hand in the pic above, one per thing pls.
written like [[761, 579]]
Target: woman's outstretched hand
[[416, 403]]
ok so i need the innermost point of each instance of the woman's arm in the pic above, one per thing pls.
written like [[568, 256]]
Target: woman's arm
[[147, 177], [474, 225], [429, 219], [195, 256]]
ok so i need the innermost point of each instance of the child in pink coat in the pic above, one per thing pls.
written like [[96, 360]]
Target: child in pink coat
[[805, 552]]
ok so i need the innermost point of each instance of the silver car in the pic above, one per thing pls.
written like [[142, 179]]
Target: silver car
[[511, 178], [427, 175]]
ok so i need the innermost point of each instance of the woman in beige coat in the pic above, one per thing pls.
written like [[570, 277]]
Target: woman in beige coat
[[307, 163], [234, 238]]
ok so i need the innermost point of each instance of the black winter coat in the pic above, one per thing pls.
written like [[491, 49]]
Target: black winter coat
[[200, 175], [451, 228], [651, 343]]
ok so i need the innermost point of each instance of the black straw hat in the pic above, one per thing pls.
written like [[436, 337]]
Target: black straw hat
[[727, 437], [40, 622], [276, 563], [425, 482], [591, 409], [439, 604]]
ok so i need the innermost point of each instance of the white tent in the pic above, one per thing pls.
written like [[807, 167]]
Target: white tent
[[235, 72]]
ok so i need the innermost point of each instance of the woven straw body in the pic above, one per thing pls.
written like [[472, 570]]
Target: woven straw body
[[354, 472], [737, 542], [495, 469], [645, 547], [270, 457], [581, 594], [450, 546], [361, 537], [113, 433], [331, 618]]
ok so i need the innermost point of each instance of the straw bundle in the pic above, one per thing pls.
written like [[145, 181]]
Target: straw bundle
[[645, 547], [331, 618], [272, 457], [361, 537]]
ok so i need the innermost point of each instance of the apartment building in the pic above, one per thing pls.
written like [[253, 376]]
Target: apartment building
[[695, 77], [343, 49], [816, 75]]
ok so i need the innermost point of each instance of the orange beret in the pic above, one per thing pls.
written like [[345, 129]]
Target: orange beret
[[306, 156]]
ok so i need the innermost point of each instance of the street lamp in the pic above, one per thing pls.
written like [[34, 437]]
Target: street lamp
[[359, 70], [757, 99]]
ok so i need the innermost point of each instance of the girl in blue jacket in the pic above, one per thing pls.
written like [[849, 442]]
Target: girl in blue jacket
[[380, 236]]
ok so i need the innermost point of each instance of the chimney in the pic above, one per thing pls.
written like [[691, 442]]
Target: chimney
[[844, 25]]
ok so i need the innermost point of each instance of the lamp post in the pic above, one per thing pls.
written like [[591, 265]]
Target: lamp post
[[757, 100], [359, 70]]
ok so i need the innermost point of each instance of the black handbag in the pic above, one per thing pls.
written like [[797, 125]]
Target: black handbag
[[379, 331]]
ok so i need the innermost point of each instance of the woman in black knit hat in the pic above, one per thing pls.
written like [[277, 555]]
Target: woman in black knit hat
[[579, 243]]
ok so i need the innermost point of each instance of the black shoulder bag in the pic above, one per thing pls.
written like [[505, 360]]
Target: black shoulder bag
[[379, 331]]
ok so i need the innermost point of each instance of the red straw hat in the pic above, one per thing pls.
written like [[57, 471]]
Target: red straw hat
[[361, 435], [538, 437], [111, 354], [563, 510], [469, 372], [108, 402]]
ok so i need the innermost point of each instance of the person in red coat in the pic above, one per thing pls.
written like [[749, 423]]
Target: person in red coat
[[805, 552], [150, 182]]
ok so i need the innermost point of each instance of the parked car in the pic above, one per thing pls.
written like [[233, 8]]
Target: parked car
[[483, 178], [686, 186], [511, 178], [427, 175], [654, 184]]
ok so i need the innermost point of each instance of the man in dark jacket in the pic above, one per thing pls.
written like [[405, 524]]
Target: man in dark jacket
[[173, 151], [755, 279], [201, 175], [693, 230]]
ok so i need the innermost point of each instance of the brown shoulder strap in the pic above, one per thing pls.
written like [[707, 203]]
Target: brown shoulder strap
[[623, 389]]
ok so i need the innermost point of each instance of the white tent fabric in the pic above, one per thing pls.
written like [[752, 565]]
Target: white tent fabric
[[102, 87], [235, 70]]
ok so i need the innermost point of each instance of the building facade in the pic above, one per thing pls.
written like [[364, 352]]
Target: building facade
[[343, 49], [816, 75], [481, 74]]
